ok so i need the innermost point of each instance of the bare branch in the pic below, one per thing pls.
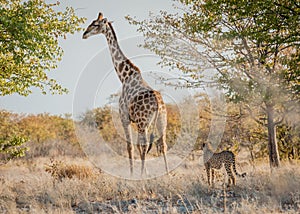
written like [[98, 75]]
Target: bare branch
[[253, 117]]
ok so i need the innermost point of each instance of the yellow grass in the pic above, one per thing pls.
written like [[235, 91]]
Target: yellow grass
[[28, 187]]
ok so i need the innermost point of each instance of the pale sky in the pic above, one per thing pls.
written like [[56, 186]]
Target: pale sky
[[86, 68]]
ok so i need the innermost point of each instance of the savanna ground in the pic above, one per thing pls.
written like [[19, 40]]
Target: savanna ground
[[72, 185]]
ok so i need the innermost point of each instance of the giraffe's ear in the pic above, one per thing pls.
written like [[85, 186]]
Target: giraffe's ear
[[104, 20], [100, 16]]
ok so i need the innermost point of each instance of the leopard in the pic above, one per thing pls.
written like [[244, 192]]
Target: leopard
[[214, 161]]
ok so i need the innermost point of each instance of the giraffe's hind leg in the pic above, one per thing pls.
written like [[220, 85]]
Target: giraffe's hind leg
[[162, 149], [127, 130], [142, 145], [161, 127]]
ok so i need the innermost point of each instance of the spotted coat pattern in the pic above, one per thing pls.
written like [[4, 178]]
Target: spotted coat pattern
[[216, 161], [138, 103]]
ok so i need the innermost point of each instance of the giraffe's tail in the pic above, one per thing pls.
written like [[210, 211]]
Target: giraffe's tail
[[151, 141]]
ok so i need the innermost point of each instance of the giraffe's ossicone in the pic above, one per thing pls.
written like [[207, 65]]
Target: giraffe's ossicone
[[138, 103]]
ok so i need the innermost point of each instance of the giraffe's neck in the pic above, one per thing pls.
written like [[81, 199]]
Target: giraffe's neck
[[123, 66]]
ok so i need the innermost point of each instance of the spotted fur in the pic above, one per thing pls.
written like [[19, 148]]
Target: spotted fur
[[216, 161], [138, 103]]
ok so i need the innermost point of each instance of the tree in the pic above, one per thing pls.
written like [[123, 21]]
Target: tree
[[252, 45], [29, 48]]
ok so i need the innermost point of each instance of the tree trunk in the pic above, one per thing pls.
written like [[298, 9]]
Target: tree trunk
[[272, 141], [295, 152]]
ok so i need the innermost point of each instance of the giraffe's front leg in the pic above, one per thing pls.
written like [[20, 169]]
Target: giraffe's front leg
[[124, 116], [161, 128], [129, 147], [127, 130]]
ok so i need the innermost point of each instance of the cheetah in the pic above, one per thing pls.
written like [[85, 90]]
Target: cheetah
[[216, 160]]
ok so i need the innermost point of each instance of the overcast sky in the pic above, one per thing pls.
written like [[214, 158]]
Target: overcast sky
[[86, 69]]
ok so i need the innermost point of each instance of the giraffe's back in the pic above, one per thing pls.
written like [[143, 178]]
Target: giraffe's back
[[142, 107]]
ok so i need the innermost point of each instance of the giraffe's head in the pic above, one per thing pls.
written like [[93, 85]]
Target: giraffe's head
[[98, 26]]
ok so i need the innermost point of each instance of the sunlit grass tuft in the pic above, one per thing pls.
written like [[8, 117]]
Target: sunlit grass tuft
[[59, 170]]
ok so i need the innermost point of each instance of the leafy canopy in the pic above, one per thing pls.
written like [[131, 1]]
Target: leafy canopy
[[264, 35], [253, 45], [29, 33]]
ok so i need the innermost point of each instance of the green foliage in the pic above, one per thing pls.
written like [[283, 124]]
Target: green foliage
[[11, 140], [253, 46], [13, 147], [262, 33], [29, 33]]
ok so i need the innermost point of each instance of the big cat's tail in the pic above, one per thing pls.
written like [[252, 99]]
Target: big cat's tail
[[234, 169]]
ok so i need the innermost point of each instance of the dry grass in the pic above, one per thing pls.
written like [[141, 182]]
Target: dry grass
[[25, 187], [59, 170]]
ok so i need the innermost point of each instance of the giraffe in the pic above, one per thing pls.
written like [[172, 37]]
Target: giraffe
[[138, 103]]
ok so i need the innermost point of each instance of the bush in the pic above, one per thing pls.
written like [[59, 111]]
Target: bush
[[11, 139], [12, 147]]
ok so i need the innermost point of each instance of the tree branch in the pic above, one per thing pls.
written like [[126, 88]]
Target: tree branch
[[253, 117]]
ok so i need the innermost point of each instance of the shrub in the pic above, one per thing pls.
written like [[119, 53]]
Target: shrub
[[11, 139]]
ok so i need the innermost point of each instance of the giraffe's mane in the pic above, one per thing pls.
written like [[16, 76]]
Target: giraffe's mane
[[133, 65], [112, 30], [127, 61]]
